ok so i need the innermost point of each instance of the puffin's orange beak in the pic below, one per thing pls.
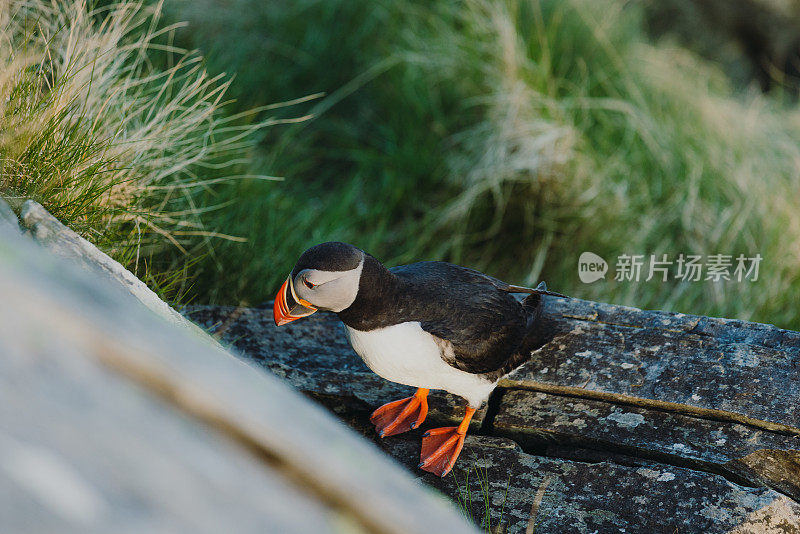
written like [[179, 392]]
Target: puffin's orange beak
[[288, 306]]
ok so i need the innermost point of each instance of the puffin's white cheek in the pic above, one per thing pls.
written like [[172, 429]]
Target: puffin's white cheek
[[338, 294]]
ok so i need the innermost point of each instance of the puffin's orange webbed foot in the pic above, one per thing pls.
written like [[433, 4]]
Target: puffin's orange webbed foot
[[402, 415], [441, 446]]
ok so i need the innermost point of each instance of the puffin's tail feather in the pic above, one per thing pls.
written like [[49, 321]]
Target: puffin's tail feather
[[538, 333], [541, 289], [533, 303]]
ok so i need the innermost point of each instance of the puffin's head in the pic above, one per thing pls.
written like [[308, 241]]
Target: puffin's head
[[326, 277]]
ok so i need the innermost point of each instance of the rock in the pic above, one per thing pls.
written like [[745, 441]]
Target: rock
[[779, 469], [314, 356], [83, 450], [8, 218], [606, 494], [713, 368], [599, 497], [618, 454], [779, 517], [113, 419], [62, 241], [750, 455]]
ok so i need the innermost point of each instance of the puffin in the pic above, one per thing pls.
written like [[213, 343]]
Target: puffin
[[429, 325]]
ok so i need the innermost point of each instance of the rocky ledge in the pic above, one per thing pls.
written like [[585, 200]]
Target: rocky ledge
[[624, 421]]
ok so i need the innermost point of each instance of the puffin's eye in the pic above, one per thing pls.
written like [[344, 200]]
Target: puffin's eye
[[308, 284]]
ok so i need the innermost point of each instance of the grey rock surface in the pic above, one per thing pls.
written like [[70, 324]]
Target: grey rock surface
[[750, 455], [600, 497], [746, 372], [624, 446]]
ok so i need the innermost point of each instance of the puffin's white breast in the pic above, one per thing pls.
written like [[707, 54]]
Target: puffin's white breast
[[407, 354]]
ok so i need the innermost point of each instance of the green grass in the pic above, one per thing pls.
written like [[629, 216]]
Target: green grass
[[126, 153], [509, 136], [477, 504]]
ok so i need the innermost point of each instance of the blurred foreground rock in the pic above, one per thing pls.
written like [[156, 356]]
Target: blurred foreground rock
[[62, 241], [114, 418], [625, 421]]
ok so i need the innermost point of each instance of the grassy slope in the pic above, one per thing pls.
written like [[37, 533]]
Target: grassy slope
[[509, 136], [125, 152]]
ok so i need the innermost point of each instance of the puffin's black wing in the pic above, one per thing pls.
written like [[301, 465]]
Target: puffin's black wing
[[480, 326]]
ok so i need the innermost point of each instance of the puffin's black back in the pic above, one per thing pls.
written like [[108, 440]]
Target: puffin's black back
[[485, 324]]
